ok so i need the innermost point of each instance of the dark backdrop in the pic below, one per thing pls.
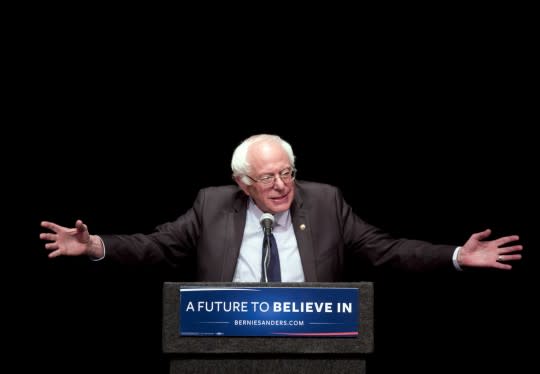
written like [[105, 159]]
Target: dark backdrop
[[425, 136]]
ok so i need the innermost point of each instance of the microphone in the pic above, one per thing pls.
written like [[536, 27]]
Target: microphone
[[267, 220]]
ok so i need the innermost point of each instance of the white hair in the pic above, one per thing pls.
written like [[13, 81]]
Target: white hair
[[240, 165]]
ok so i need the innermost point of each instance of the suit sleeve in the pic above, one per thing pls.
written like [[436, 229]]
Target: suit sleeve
[[380, 249], [170, 243]]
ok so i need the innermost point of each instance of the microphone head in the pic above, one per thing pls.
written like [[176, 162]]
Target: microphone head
[[267, 220]]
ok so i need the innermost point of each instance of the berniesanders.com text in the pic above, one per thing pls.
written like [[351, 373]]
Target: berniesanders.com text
[[272, 322]]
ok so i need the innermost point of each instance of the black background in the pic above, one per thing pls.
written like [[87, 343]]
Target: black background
[[422, 125]]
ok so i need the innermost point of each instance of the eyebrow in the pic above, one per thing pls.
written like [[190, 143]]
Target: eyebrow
[[279, 172]]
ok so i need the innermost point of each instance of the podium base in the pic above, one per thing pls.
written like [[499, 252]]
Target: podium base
[[242, 365]]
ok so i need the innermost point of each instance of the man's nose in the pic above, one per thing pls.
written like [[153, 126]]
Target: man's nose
[[278, 183]]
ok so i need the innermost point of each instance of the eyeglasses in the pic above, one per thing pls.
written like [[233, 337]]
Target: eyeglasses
[[285, 175]]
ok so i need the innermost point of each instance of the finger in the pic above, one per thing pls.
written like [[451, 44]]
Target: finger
[[501, 266], [481, 235], [48, 236], [506, 239], [80, 226], [55, 254], [509, 257], [51, 246], [510, 249], [51, 226]]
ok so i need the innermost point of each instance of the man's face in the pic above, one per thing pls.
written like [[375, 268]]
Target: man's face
[[269, 159]]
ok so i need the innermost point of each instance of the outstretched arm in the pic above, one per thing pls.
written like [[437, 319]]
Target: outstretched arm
[[75, 241], [490, 253]]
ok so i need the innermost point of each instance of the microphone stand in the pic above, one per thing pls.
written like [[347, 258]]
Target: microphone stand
[[266, 255], [266, 221]]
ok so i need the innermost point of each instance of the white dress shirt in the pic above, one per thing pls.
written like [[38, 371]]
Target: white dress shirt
[[249, 265]]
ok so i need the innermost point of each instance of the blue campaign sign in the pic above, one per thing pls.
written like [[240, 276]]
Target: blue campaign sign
[[269, 311]]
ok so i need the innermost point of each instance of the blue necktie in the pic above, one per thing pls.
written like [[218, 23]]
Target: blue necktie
[[273, 271]]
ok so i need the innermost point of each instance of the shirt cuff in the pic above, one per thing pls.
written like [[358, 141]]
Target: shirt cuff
[[102, 257], [454, 259]]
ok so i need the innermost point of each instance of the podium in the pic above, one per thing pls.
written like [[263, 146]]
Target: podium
[[261, 354]]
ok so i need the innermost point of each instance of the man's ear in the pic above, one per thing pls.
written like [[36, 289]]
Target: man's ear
[[242, 185]]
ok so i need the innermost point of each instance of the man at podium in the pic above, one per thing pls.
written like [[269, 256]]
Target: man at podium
[[271, 226]]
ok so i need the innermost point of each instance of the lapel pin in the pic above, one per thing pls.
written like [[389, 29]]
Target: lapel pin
[[302, 227]]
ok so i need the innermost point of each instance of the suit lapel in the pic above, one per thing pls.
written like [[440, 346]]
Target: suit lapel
[[236, 222], [304, 239]]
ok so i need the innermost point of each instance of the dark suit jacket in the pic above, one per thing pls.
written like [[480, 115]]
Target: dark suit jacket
[[211, 231]]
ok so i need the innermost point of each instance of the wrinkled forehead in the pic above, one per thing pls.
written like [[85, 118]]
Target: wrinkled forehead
[[265, 157]]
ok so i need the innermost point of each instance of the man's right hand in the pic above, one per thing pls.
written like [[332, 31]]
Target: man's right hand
[[71, 241]]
